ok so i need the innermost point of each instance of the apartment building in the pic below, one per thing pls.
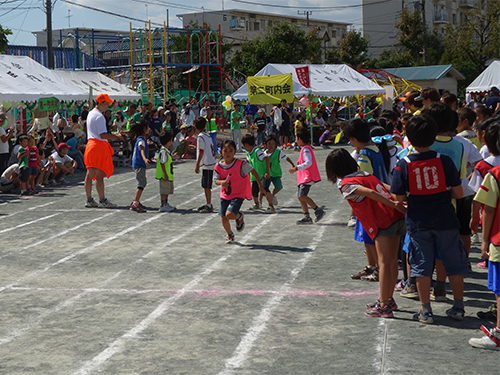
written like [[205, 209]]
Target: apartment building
[[379, 18]]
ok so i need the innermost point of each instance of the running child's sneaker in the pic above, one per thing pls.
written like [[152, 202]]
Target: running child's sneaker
[[206, 209], [137, 208], [106, 204], [410, 291], [352, 222], [230, 238], [425, 318], [275, 201], [380, 312], [490, 341], [392, 304], [256, 206], [456, 313], [319, 213], [304, 220], [270, 210], [91, 204], [240, 222], [366, 271], [400, 286], [439, 295]]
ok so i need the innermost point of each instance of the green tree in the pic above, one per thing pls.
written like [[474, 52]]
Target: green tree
[[3, 38], [280, 44], [353, 50], [470, 44]]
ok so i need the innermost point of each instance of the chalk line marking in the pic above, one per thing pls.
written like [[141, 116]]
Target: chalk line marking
[[20, 331], [22, 211], [118, 345], [260, 322], [29, 223]]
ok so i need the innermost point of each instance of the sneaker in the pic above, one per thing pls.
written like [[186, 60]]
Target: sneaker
[[372, 278], [490, 315], [475, 238], [24, 193], [439, 295], [206, 209], [270, 210], [38, 186], [410, 291], [400, 286], [490, 341], [106, 204], [201, 207], [166, 208], [425, 318], [483, 265], [63, 181], [171, 208], [379, 312], [392, 304], [52, 183], [352, 222], [230, 238], [319, 213], [456, 313], [366, 271], [256, 206], [275, 201], [304, 220], [240, 223], [91, 204], [136, 208]]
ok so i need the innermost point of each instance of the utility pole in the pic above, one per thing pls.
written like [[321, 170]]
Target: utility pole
[[306, 13], [50, 55], [68, 17]]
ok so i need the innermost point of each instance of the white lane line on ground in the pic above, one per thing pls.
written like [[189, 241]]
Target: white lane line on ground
[[95, 364], [29, 223], [260, 322], [22, 211], [20, 331]]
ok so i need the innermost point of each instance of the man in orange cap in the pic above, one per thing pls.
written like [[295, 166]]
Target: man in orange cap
[[98, 153]]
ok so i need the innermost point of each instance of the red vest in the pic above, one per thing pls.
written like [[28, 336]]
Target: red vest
[[372, 215], [482, 167], [308, 174], [495, 229], [239, 187], [426, 177]]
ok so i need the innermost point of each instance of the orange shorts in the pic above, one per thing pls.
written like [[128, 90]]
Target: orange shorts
[[98, 154]]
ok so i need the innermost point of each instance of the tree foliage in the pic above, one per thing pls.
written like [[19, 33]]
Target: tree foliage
[[3, 38], [353, 50], [280, 44]]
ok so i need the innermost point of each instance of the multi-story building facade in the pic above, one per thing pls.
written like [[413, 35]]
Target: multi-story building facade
[[379, 18]]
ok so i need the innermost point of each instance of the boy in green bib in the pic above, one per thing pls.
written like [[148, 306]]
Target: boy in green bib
[[165, 172]]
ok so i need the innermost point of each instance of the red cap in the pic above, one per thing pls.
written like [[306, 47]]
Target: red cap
[[103, 98], [62, 145]]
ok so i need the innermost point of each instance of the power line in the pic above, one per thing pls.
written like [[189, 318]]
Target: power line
[[310, 7]]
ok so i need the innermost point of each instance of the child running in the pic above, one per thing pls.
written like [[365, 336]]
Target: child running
[[380, 215], [307, 175], [276, 156], [205, 161], [140, 131], [165, 172], [232, 176]]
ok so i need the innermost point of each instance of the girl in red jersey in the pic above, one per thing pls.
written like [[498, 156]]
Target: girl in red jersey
[[380, 215]]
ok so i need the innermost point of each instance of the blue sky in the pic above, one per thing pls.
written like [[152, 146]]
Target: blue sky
[[29, 16]]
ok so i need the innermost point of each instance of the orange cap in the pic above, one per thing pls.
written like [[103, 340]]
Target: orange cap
[[103, 98]]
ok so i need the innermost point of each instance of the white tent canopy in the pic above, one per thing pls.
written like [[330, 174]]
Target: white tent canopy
[[99, 83], [487, 79], [326, 80], [23, 79]]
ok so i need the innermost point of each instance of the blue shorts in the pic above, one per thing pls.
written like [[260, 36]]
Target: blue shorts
[[494, 277], [233, 206], [447, 243], [361, 235]]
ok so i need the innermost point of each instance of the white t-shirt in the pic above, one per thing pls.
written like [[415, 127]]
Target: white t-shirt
[[61, 159], [4, 146], [179, 137], [205, 143], [472, 156], [7, 174], [55, 119], [476, 180], [281, 155], [484, 152], [96, 124]]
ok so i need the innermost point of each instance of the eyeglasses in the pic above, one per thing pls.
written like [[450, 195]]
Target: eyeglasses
[[378, 139]]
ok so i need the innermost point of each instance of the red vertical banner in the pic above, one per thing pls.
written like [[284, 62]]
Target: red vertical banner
[[303, 76]]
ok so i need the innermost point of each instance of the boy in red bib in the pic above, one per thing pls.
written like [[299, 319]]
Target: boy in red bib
[[307, 175], [233, 177]]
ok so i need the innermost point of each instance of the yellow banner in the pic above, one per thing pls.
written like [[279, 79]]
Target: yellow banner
[[270, 89]]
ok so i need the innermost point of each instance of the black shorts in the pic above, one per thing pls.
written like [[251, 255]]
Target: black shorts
[[207, 177], [255, 187], [285, 130], [24, 173], [464, 210]]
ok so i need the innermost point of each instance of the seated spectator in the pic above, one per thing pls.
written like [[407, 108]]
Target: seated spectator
[[64, 164], [326, 138], [178, 143], [74, 122], [74, 148], [189, 144], [9, 181], [48, 142], [120, 122], [46, 167]]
